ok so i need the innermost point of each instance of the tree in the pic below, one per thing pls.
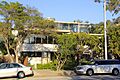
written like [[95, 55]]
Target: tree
[[84, 39], [112, 5], [65, 42], [114, 39], [2, 48], [113, 29], [73, 44], [5, 35], [13, 15], [25, 20]]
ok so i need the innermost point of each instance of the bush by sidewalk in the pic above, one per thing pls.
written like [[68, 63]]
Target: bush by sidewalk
[[46, 66]]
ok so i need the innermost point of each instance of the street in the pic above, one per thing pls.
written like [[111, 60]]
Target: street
[[81, 77]]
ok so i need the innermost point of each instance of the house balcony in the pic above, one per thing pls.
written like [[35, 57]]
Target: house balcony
[[39, 47]]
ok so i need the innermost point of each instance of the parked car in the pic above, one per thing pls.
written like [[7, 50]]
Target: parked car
[[15, 69], [99, 66]]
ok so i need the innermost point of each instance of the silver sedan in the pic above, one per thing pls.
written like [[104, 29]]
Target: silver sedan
[[15, 69]]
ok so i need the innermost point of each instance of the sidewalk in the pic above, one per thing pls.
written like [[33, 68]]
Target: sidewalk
[[50, 73]]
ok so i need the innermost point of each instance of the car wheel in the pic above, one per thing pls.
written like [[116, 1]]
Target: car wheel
[[115, 72], [89, 72], [21, 74]]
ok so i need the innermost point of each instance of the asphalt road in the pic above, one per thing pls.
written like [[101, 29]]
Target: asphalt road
[[81, 77]]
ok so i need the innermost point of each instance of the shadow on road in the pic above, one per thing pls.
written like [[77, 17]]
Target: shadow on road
[[93, 77]]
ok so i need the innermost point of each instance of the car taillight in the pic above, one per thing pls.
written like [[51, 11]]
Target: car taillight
[[30, 68]]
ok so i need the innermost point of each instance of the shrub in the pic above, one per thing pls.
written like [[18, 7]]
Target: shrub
[[46, 66], [70, 64]]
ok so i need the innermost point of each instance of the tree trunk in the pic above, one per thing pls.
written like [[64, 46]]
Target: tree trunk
[[16, 50], [60, 64], [78, 58], [16, 56], [11, 59]]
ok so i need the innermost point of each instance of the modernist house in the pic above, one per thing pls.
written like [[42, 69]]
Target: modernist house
[[40, 48]]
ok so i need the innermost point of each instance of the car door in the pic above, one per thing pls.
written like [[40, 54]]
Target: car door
[[4, 70], [13, 70], [7, 70], [17, 66], [103, 67]]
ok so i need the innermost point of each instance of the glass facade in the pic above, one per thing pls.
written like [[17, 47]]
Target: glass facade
[[39, 40], [74, 27]]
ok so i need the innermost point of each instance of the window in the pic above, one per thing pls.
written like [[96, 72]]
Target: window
[[4, 66], [38, 54], [32, 40], [114, 62], [107, 62], [34, 54], [50, 40], [16, 65], [11, 66], [45, 40], [65, 27], [45, 54], [38, 40]]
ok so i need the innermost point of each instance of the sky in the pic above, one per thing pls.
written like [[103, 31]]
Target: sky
[[69, 10]]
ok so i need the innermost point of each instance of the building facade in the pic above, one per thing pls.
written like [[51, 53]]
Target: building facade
[[40, 49]]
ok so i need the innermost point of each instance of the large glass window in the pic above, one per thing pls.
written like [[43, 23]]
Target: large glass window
[[59, 26], [34, 54], [83, 29], [45, 40], [45, 54], [50, 40], [65, 27], [32, 40], [27, 40], [38, 40], [74, 27]]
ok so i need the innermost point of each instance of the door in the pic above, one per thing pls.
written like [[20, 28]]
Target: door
[[7, 70], [103, 67]]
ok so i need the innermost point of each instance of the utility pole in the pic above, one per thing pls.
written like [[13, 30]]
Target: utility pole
[[105, 31]]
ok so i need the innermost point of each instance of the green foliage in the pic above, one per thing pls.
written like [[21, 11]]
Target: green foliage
[[70, 64], [2, 48], [112, 5], [72, 44], [89, 40], [114, 39], [113, 30], [50, 65], [66, 44]]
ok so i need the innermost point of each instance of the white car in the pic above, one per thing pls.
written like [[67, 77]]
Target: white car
[[14, 69], [99, 66]]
